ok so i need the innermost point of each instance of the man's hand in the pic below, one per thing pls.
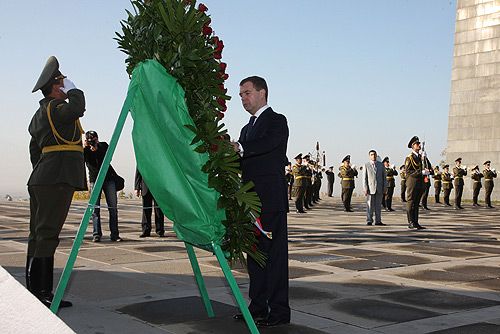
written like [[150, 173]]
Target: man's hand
[[138, 193], [236, 146], [68, 85]]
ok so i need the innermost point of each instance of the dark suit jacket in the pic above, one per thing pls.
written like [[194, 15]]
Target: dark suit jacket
[[264, 158]]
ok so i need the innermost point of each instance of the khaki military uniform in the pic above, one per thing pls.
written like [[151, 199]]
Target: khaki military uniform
[[56, 153], [437, 186], [299, 185], [402, 175], [447, 182], [458, 181], [489, 175], [347, 175], [414, 187], [476, 186], [391, 184]]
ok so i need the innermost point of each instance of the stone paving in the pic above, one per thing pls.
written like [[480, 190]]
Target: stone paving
[[345, 277]]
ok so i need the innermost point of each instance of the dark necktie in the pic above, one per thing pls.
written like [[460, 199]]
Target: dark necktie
[[250, 126]]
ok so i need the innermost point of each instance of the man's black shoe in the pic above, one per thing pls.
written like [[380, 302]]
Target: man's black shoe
[[391, 209], [426, 208], [271, 322], [380, 224], [145, 234], [255, 316], [300, 211], [307, 207], [161, 234], [411, 226], [369, 224]]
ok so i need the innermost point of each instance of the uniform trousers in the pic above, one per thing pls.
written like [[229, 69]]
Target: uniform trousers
[[414, 190], [49, 206], [403, 191], [299, 192], [346, 197], [437, 191], [387, 198], [459, 190], [425, 193], [446, 196], [269, 284], [488, 189], [476, 187]]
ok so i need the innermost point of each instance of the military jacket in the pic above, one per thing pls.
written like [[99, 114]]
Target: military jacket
[[476, 179], [446, 179], [59, 166], [391, 173], [402, 175], [299, 175], [413, 166], [437, 179], [347, 175], [489, 175], [459, 174]]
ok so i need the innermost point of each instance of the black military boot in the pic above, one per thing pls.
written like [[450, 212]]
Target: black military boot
[[46, 277]]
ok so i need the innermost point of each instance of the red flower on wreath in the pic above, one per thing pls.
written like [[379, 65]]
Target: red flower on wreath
[[222, 67], [220, 115], [214, 147], [225, 76], [202, 7], [206, 30]]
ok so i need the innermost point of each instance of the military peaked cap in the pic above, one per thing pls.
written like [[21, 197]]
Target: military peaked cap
[[487, 162], [49, 73], [475, 167], [306, 156], [401, 167], [346, 158], [386, 159], [446, 166], [299, 156], [413, 140], [458, 159]]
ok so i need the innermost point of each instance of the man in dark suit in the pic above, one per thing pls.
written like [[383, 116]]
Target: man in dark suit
[[148, 201], [262, 146]]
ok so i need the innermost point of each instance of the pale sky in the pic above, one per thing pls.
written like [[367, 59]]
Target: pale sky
[[353, 75]]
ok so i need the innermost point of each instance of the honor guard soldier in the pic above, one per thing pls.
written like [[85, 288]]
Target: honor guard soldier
[[289, 179], [415, 173], [308, 180], [56, 154], [299, 185], [318, 175], [459, 172], [437, 184], [347, 175], [447, 181], [330, 176], [489, 174], [391, 184], [476, 176], [402, 174]]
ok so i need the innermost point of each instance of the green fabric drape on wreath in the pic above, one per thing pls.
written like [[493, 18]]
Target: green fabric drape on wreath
[[165, 156]]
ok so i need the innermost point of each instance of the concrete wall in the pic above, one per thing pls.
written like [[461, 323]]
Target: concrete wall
[[474, 115]]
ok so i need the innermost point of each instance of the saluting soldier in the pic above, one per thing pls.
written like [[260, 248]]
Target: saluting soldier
[[437, 184], [415, 173], [447, 181], [318, 175], [299, 185], [391, 184], [347, 174], [402, 174], [476, 177], [56, 153], [489, 174], [308, 179], [458, 173]]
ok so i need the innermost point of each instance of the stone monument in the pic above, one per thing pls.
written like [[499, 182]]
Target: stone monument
[[474, 115]]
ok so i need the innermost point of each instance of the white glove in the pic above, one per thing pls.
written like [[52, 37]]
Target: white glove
[[464, 167], [493, 170], [393, 167], [424, 154], [353, 166], [68, 85], [425, 172]]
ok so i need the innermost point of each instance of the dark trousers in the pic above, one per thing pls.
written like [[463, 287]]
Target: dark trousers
[[387, 198], [437, 191], [414, 192], [458, 195], [476, 187], [403, 192], [308, 195], [330, 188], [49, 206], [425, 194], [290, 187], [269, 284], [346, 197], [147, 202], [488, 189], [446, 196]]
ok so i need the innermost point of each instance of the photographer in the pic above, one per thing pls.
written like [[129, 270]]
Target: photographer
[[94, 153]]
